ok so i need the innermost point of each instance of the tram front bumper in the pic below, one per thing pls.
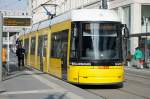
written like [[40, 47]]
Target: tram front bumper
[[101, 76]]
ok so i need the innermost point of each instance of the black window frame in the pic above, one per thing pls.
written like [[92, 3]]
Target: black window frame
[[42, 42], [58, 38], [26, 45], [78, 59], [33, 45]]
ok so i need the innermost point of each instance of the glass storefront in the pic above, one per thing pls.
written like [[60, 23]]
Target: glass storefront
[[145, 17], [145, 24]]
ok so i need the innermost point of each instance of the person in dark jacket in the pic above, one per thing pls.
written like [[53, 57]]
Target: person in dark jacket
[[20, 52]]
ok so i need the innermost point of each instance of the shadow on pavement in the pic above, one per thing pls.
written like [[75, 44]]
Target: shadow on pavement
[[57, 96], [15, 72], [98, 86], [10, 76]]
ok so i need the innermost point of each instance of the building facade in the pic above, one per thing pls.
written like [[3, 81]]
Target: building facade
[[134, 13], [40, 14], [10, 18], [14, 21]]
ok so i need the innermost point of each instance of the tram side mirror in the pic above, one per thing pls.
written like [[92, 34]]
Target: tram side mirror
[[125, 31]]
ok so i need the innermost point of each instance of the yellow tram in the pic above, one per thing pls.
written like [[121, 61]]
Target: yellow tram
[[82, 47]]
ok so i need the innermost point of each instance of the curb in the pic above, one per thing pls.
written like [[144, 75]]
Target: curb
[[2, 88]]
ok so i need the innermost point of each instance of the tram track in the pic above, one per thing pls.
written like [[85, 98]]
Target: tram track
[[106, 92], [121, 90], [140, 76], [136, 86], [133, 93], [138, 82], [141, 82], [104, 97]]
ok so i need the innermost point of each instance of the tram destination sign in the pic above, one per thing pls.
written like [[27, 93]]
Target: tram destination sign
[[17, 21]]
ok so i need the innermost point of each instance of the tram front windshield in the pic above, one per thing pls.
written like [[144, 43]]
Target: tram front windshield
[[98, 41]]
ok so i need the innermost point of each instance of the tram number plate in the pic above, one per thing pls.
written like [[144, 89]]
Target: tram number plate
[[103, 67]]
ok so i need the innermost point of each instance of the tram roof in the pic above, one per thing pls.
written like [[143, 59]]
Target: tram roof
[[79, 15]]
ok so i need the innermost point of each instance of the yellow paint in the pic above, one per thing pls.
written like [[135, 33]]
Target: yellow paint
[[36, 45], [45, 64], [55, 63], [32, 57], [92, 75], [61, 26], [29, 51], [27, 59], [55, 67], [48, 50], [32, 61], [38, 62]]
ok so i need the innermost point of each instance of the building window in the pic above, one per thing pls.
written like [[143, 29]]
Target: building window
[[145, 20], [127, 16]]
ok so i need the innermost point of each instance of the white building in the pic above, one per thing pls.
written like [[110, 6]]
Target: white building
[[13, 21], [134, 13], [40, 14], [11, 14]]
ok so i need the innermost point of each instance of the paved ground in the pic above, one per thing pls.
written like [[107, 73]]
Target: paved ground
[[33, 84]]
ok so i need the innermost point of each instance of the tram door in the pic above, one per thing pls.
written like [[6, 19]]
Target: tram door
[[42, 50], [64, 39]]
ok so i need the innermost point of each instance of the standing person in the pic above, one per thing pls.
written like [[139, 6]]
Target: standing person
[[138, 56], [20, 52]]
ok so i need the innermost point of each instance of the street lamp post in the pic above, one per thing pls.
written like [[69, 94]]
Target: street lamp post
[[1, 42]]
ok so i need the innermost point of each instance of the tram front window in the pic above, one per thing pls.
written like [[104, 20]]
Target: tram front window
[[96, 41], [99, 41]]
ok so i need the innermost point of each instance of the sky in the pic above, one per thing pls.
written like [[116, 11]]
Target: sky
[[13, 4]]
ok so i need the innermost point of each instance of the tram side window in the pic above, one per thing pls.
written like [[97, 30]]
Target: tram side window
[[42, 44], [39, 45], [33, 46], [56, 46], [74, 40], [59, 44], [26, 45]]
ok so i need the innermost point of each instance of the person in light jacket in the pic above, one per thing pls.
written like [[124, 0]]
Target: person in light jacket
[[138, 57]]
